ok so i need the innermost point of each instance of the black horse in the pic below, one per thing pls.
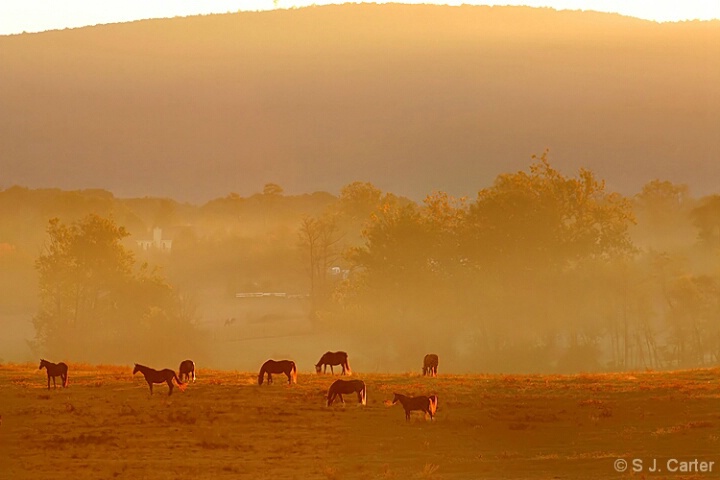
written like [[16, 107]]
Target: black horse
[[347, 386], [422, 403], [55, 370], [159, 376], [278, 366], [187, 370], [430, 364], [331, 359]]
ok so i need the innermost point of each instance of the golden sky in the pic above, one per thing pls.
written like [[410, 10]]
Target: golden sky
[[17, 16]]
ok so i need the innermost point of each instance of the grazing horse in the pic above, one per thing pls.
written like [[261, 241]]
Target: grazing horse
[[422, 403], [430, 364], [278, 366], [187, 370], [331, 359], [347, 386], [55, 370], [159, 376]]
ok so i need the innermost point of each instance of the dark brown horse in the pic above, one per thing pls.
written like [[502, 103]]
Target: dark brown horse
[[55, 370], [430, 364], [331, 359], [187, 370], [278, 366], [159, 376], [422, 403], [347, 386]]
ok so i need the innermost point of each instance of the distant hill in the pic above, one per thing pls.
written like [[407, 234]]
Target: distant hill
[[411, 98]]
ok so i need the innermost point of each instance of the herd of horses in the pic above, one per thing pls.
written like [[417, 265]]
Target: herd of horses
[[186, 372]]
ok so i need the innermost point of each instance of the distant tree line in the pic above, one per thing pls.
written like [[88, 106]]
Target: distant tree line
[[538, 272]]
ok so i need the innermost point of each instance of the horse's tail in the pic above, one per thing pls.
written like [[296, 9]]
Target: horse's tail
[[348, 371], [194, 377], [67, 379], [363, 394], [182, 386], [433, 403], [293, 372]]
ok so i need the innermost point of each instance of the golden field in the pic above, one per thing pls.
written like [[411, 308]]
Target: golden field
[[105, 425]]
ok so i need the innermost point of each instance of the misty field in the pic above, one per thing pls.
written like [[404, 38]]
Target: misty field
[[106, 425]]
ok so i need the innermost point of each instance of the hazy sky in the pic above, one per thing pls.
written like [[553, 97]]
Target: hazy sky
[[17, 16]]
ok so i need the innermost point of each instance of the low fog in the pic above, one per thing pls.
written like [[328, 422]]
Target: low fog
[[446, 238], [543, 271]]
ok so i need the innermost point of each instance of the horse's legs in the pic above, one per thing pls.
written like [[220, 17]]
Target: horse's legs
[[269, 378], [289, 378], [407, 415], [150, 385], [332, 372], [48, 381], [341, 398], [54, 384], [170, 385]]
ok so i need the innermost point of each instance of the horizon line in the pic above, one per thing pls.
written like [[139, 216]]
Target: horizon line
[[206, 14]]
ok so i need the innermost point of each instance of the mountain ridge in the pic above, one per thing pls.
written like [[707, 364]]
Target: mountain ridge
[[411, 98]]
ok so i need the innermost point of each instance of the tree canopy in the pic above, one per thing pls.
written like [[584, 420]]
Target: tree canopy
[[94, 299], [539, 271]]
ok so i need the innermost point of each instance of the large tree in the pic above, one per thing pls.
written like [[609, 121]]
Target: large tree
[[545, 217], [505, 271], [95, 301]]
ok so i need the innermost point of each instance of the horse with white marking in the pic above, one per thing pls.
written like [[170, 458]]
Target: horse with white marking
[[427, 405], [347, 386]]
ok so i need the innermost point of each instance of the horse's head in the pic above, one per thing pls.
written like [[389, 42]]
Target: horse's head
[[318, 368], [42, 364], [396, 398], [261, 377], [136, 369]]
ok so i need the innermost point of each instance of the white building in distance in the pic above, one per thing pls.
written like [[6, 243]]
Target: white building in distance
[[157, 242]]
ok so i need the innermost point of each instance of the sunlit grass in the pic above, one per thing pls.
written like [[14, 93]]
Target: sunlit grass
[[226, 426]]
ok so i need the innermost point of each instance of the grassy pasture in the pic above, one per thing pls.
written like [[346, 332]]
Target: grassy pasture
[[106, 425]]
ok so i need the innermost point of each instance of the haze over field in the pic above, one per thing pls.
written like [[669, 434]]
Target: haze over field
[[371, 165], [410, 98], [529, 195]]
